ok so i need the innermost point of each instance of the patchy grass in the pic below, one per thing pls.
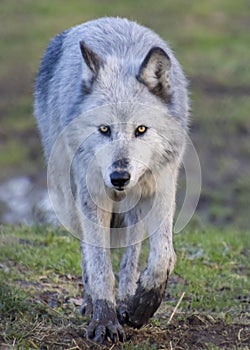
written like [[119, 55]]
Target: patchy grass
[[211, 40], [41, 291]]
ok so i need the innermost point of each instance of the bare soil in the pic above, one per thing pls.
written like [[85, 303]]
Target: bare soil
[[193, 332]]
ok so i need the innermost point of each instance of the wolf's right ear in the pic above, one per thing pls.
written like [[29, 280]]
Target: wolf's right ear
[[155, 73], [93, 61]]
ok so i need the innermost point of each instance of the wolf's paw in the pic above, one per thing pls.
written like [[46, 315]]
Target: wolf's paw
[[138, 309], [100, 331], [87, 306], [105, 324], [122, 311]]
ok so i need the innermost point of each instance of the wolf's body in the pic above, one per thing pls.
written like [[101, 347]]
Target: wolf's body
[[122, 95]]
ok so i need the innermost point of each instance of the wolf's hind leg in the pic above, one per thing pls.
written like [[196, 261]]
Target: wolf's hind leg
[[128, 276], [129, 268], [129, 271], [87, 304]]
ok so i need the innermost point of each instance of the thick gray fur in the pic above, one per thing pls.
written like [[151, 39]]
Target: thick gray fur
[[114, 72]]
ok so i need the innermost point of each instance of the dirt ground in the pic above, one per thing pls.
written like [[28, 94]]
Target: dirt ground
[[39, 307], [196, 333], [185, 331], [192, 332]]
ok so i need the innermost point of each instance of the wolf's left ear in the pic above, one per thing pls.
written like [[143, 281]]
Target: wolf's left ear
[[93, 61], [155, 73]]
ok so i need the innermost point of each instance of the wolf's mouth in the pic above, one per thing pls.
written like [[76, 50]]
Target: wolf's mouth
[[120, 189]]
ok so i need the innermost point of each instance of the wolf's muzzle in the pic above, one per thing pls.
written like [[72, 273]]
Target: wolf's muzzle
[[119, 179]]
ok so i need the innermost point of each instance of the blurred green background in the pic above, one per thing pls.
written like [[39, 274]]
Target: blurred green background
[[211, 40]]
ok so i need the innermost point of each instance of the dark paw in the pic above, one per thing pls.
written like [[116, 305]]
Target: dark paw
[[104, 324], [122, 311], [138, 309], [87, 306]]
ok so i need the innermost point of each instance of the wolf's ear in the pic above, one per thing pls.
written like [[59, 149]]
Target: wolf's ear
[[155, 73], [93, 61]]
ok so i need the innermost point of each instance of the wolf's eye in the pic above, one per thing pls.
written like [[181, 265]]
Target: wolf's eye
[[140, 130], [104, 129]]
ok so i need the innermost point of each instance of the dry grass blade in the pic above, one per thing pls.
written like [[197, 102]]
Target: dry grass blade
[[176, 307]]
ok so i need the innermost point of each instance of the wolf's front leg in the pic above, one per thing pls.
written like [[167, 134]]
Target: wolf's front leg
[[99, 278], [152, 282]]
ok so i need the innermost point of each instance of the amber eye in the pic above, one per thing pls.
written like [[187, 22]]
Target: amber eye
[[104, 129], [140, 130]]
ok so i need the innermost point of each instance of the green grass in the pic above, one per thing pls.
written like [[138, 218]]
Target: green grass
[[211, 261], [41, 250], [211, 40], [40, 287]]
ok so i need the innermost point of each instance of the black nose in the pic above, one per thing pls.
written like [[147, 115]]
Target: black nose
[[120, 179]]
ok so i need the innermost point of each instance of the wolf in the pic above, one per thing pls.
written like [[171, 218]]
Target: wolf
[[112, 107]]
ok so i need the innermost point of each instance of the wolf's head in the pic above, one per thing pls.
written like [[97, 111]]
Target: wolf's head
[[128, 117]]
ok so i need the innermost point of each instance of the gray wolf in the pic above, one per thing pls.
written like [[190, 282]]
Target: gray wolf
[[120, 93]]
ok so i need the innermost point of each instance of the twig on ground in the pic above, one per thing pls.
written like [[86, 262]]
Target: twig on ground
[[176, 307]]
